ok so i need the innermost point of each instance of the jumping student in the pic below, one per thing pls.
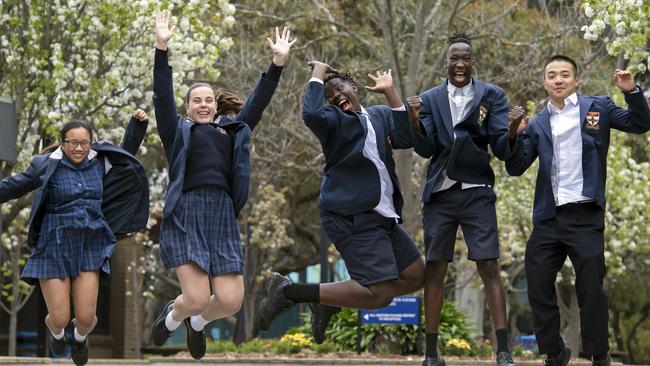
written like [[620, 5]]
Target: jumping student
[[209, 173], [86, 193], [360, 204]]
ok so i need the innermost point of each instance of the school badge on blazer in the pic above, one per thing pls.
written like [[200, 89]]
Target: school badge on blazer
[[222, 130], [482, 113], [592, 120]]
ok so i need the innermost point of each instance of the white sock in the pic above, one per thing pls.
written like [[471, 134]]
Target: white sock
[[78, 337], [171, 323], [198, 322], [59, 335]]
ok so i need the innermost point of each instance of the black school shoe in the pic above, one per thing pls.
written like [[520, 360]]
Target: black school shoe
[[159, 332], [56, 345], [320, 318], [273, 302], [505, 359], [560, 360], [79, 349], [195, 340], [434, 361]]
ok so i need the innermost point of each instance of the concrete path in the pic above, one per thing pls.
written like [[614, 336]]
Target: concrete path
[[221, 361]]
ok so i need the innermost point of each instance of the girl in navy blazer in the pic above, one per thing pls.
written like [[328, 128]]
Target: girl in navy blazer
[[85, 193], [209, 174]]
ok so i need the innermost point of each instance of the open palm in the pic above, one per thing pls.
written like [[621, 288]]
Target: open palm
[[383, 81], [281, 46], [163, 31]]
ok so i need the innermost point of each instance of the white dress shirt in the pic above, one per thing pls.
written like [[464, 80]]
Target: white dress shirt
[[386, 207], [566, 169], [459, 105]]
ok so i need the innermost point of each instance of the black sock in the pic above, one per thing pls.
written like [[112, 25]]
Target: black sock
[[502, 340], [432, 345], [299, 293], [599, 357]]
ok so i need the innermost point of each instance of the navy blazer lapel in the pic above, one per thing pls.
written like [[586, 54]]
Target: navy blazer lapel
[[545, 123], [185, 127], [585, 103], [479, 90], [442, 99], [51, 167]]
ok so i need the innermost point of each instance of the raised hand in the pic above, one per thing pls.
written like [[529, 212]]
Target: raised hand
[[413, 105], [163, 31], [281, 46], [515, 118], [383, 81], [140, 115], [320, 69], [624, 80]]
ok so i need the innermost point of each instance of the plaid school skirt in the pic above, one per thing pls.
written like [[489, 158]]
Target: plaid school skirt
[[69, 243], [203, 230]]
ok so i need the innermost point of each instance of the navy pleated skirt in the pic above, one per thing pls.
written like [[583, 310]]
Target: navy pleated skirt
[[203, 230]]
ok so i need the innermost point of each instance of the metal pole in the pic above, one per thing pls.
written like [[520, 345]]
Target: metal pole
[[358, 332]]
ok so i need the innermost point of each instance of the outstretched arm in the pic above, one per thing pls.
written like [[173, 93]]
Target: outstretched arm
[[163, 86], [384, 85], [251, 112], [636, 118], [313, 113], [18, 185], [135, 131]]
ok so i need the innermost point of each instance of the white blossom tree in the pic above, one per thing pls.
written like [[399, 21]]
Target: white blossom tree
[[624, 25]]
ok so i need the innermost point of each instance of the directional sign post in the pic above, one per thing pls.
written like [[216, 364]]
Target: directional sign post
[[402, 310]]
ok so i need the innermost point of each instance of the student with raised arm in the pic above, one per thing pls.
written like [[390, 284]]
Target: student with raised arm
[[571, 138], [360, 204], [209, 172], [86, 193]]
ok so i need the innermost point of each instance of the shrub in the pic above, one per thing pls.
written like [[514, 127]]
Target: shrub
[[292, 343], [220, 346]]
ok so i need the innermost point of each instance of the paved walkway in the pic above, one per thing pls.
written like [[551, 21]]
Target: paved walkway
[[222, 361]]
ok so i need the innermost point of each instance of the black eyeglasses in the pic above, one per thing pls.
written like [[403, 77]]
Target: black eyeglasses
[[74, 143]]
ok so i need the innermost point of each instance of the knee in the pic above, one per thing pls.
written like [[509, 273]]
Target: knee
[[230, 304], [195, 304], [489, 270], [435, 271], [380, 301], [58, 320], [85, 320], [416, 283]]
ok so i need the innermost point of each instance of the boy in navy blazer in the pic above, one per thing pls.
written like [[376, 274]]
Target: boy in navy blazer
[[571, 138], [360, 203], [453, 124]]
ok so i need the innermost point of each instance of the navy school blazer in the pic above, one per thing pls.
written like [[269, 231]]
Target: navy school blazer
[[466, 157], [350, 182], [125, 199], [174, 130], [537, 140]]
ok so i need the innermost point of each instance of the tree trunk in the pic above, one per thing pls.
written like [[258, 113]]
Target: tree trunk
[[618, 337], [15, 303], [136, 292], [569, 310], [470, 299]]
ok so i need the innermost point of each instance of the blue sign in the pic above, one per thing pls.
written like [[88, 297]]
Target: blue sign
[[403, 310]]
